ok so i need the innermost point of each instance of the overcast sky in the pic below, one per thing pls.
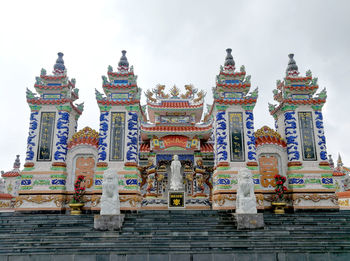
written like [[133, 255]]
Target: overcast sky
[[172, 42]]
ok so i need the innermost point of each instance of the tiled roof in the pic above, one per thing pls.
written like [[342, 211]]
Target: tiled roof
[[118, 74], [119, 86], [207, 148], [175, 104], [6, 196], [233, 73], [338, 173], [86, 136], [301, 88], [242, 101], [12, 173], [304, 102], [161, 128], [107, 102], [144, 147], [234, 85], [46, 87], [298, 79], [266, 135], [53, 77]]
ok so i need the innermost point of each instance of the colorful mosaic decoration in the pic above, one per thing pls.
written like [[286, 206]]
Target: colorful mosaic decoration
[[138, 143]]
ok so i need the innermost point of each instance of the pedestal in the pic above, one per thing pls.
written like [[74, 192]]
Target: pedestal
[[108, 222], [249, 221]]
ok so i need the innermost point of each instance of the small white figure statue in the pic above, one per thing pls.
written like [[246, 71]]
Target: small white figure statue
[[110, 204], [245, 200], [176, 181]]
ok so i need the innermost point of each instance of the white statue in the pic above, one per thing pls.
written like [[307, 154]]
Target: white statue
[[110, 204], [245, 200], [176, 176]]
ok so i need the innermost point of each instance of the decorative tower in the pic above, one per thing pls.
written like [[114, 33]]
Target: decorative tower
[[53, 120], [118, 149], [233, 131], [9, 186], [298, 119]]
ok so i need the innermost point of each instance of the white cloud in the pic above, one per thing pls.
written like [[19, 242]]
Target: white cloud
[[171, 42]]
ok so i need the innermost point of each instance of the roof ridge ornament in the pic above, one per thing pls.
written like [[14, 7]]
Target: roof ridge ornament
[[229, 62], [17, 163], [123, 64], [59, 67], [292, 68]]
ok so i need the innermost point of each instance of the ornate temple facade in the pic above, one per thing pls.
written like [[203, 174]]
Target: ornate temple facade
[[139, 142]]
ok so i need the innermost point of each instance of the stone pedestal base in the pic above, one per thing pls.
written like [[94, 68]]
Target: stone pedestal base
[[344, 200], [249, 221], [108, 222]]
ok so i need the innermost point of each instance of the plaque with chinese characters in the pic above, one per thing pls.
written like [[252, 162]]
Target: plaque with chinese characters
[[268, 169], [46, 136], [117, 136], [176, 199], [236, 136], [85, 166], [307, 136]]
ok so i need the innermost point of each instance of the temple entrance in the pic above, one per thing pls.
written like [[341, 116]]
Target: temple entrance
[[196, 178]]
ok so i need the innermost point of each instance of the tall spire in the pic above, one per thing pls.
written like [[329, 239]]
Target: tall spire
[[229, 59], [59, 65], [339, 161], [292, 68], [123, 63]]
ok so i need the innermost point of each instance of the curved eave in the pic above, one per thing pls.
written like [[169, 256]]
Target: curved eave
[[233, 74], [119, 86], [234, 85], [10, 174], [88, 142], [53, 77], [301, 88], [118, 74], [298, 79], [262, 140], [45, 87], [108, 102], [54, 102], [176, 130], [160, 107], [238, 101], [299, 102]]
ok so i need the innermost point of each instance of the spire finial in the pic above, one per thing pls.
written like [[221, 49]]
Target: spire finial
[[229, 59], [123, 61], [292, 67], [339, 161], [17, 163], [59, 65]]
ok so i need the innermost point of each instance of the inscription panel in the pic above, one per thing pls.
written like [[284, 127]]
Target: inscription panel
[[307, 136], [117, 136], [236, 136], [46, 136]]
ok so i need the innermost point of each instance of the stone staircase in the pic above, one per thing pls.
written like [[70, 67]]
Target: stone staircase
[[175, 235]]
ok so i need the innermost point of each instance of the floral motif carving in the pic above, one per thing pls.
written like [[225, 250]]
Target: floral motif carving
[[5, 204], [133, 200], [314, 198], [220, 199], [39, 199]]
